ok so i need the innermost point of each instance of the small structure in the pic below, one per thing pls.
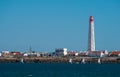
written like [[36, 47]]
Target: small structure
[[83, 53], [25, 55], [99, 61], [71, 53], [115, 54], [35, 54], [6, 53], [70, 60], [16, 54], [30, 54], [76, 54], [96, 54], [61, 51]]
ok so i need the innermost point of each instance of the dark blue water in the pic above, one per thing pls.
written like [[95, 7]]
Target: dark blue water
[[59, 70]]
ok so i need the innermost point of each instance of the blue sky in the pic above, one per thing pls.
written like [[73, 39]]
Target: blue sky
[[49, 24]]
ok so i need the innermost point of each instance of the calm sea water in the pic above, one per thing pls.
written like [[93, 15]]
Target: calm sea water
[[59, 70]]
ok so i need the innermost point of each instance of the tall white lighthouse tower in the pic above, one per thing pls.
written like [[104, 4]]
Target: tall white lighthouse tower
[[91, 37]]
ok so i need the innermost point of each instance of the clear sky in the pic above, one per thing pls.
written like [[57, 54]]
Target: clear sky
[[49, 24]]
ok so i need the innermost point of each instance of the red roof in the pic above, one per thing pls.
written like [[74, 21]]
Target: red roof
[[116, 52]]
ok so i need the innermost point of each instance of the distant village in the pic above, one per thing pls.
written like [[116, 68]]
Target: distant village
[[59, 52]]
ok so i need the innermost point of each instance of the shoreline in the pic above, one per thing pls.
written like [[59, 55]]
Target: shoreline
[[88, 60]]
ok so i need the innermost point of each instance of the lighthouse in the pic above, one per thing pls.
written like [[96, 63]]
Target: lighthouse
[[91, 36]]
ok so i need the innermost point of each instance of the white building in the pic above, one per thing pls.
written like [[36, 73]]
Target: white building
[[25, 54], [61, 51], [5, 52], [76, 54], [30, 54], [106, 52]]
